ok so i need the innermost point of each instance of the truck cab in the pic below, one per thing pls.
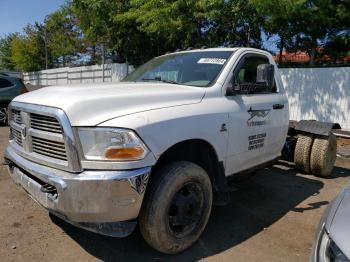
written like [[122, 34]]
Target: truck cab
[[155, 149]]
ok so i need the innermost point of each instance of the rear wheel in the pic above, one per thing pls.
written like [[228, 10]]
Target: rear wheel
[[176, 207], [302, 152], [3, 116], [323, 155]]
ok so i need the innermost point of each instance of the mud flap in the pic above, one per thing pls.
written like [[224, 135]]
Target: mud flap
[[221, 192], [316, 127]]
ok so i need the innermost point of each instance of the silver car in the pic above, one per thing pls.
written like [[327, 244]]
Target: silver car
[[333, 235]]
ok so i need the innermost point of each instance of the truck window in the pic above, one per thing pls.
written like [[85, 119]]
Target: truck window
[[246, 74], [5, 83], [199, 68]]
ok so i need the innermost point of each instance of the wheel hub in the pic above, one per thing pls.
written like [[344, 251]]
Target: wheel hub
[[185, 209]]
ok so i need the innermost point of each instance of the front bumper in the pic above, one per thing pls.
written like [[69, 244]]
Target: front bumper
[[106, 202]]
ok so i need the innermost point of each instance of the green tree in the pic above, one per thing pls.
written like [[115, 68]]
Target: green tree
[[166, 25], [305, 24], [180, 23], [337, 46], [279, 18], [27, 50], [104, 25], [6, 53], [196, 23], [238, 23], [137, 30], [61, 36], [322, 23]]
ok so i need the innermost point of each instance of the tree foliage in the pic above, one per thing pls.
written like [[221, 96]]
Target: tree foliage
[[62, 36], [27, 50], [6, 52], [84, 31]]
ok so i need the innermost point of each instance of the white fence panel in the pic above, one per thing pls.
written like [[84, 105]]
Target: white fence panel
[[318, 93], [54, 77], [74, 75]]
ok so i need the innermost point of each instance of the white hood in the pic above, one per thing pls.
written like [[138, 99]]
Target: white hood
[[91, 104]]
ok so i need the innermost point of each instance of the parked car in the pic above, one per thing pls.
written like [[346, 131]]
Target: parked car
[[157, 147], [332, 242], [10, 87]]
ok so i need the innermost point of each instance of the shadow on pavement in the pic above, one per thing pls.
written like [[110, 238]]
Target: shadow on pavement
[[257, 202]]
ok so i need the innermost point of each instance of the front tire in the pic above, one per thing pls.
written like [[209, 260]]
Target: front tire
[[176, 207]]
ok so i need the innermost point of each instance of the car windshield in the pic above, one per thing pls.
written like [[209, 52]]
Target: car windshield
[[198, 68]]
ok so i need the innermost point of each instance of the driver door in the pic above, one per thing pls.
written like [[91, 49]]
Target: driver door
[[253, 122]]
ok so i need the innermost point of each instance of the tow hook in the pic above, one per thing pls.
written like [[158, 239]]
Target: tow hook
[[50, 190], [46, 188], [6, 162]]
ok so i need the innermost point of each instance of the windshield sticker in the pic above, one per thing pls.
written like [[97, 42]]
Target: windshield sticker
[[216, 61]]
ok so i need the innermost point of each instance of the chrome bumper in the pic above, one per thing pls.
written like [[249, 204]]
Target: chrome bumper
[[105, 202]]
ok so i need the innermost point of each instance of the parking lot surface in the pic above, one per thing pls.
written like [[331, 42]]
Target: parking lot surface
[[272, 217]]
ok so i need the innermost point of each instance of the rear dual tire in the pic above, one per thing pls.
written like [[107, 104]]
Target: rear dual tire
[[176, 207], [302, 153], [315, 155], [323, 155]]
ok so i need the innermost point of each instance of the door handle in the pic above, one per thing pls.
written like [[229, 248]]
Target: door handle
[[278, 106]]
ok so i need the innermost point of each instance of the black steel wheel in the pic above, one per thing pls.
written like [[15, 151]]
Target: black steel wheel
[[176, 207], [186, 209]]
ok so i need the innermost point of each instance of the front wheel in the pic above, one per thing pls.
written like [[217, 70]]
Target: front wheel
[[3, 116], [176, 207]]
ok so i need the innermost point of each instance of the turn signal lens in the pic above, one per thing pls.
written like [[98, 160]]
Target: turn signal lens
[[124, 153]]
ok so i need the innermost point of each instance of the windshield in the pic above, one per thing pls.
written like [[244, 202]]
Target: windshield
[[192, 68]]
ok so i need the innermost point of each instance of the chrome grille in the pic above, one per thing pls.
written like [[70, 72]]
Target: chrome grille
[[16, 136], [44, 135], [49, 148], [16, 116], [45, 123]]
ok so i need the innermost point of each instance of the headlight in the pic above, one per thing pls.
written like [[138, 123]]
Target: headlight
[[328, 251], [111, 144]]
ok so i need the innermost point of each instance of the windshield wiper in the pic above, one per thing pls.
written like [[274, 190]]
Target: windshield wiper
[[161, 80]]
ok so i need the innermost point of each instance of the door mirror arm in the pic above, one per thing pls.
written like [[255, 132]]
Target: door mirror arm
[[233, 89]]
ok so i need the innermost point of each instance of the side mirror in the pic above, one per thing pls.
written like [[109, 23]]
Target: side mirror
[[265, 74]]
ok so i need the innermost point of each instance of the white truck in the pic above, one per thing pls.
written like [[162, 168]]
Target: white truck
[[156, 149]]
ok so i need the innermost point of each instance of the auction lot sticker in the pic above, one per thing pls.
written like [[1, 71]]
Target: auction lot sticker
[[215, 61]]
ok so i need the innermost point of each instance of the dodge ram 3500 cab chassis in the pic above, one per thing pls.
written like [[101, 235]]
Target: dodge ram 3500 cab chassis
[[157, 147]]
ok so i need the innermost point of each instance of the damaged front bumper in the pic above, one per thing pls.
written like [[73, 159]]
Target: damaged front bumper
[[105, 202]]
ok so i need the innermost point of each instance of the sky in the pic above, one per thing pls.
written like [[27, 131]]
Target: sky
[[16, 14]]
